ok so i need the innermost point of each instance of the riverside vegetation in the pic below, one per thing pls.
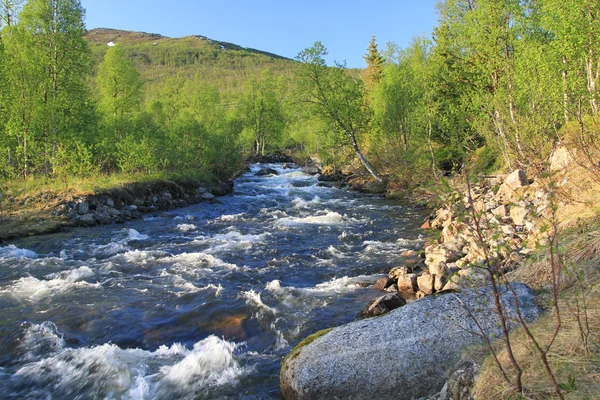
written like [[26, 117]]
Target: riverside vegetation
[[500, 86]]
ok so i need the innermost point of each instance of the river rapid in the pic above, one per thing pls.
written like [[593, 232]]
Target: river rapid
[[197, 303]]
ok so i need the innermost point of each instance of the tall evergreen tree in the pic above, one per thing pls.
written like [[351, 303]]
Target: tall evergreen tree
[[375, 62]]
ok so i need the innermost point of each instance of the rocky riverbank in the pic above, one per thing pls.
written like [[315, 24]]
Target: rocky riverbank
[[123, 204], [52, 212], [493, 224], [498, 221]]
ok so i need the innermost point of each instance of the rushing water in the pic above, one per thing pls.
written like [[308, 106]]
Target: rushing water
[[202, 302]]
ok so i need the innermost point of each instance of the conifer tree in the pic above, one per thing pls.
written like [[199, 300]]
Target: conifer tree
[[375, 62]]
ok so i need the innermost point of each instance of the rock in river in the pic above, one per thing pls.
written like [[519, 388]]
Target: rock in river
[[404, 354], [265, 171]]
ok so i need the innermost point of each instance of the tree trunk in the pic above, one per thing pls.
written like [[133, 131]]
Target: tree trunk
[[430, 144], [565, 90], [362, 158]]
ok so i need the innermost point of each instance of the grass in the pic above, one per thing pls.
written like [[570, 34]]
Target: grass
[[577, 369], [575, 353]]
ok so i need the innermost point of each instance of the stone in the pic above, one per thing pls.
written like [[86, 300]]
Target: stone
[[311, 170], [83, 208], [439, 282], [408, 253], [113, 211], [404, 354], [207, 196], [518, 214], [479, 206], [560, 159], [87, 219], [398, 272], [440, 271], [461, 381], [449, 233], [392, 289], [426, 224], [222, 188], [500, 212], [514, 181], [507, 230], [442, 216], [426, 283], [383, 283], [110, 202], [383, 304], [201, 190], [439, 254], [265, 171], [408, 284]]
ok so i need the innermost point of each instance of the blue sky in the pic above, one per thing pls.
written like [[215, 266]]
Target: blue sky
[[282, 27]]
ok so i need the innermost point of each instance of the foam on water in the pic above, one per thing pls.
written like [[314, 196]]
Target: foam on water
[[331, 218], [335, 253], [184, 286], [301, 203], [109, 249], [40, 340], [334, 286], [34, 289], [254, 300], [132, 235], [107, 371], [211, 362], [12, 251], [190, 261], [232, 241], [374, 246], [186, 227], [139, 257], [229, 218]]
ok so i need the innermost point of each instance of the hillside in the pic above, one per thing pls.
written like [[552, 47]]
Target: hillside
[[224, 65]]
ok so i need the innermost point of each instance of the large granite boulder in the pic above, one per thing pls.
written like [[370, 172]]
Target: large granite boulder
[[405, 354]]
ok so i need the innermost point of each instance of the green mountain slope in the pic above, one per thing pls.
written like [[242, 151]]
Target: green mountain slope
[[221, 64]]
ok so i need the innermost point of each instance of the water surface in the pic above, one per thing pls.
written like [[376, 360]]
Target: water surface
[[198, 303]]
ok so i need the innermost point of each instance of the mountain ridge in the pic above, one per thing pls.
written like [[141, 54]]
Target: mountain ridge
[[106, 35]]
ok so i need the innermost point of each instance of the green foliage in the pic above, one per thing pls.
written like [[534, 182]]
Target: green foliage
[[336, 99], [449, 158], [262, 113], [119, 84], [75, 159], [485, 161], [47, 61]]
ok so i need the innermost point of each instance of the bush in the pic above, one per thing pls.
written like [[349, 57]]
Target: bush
[[448, 158], [486, 160]]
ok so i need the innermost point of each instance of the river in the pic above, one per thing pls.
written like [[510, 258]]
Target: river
[[197, 303]]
